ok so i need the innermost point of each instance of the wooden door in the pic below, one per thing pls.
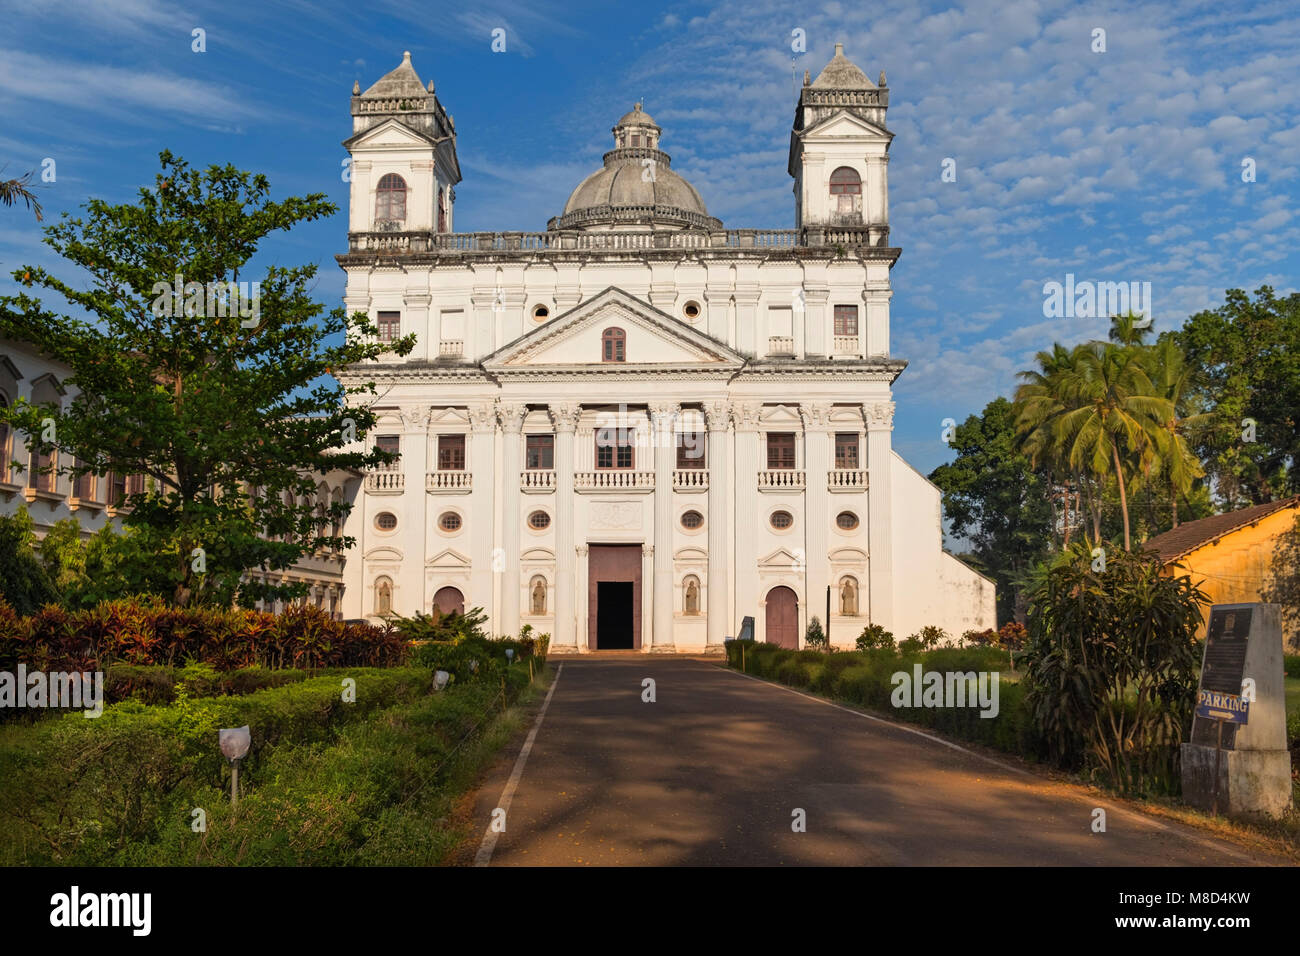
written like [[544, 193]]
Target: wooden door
[[783, 618]]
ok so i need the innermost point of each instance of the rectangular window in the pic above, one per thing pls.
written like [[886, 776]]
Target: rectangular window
[[846, 320], [690, 450], [614, 448], [539, 454], [390, 326], [451, 452], [83, 486], [391, 444], [135, 485], [116, 489], [780, 450], [37, 475], [846, 450]]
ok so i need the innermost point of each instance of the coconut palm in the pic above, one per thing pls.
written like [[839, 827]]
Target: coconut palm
[[1176, 463], [13, 190], [1112, 412]]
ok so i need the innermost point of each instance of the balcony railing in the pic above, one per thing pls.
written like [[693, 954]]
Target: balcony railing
[[847, 345], [780, 345], [691, 479], [781, 479], [613, 480], [451, 349], [536, 481], [846, 479], [448, 482], [385, 483], [389, 242]]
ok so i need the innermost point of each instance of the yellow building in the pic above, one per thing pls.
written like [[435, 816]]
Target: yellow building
[[1230, 556]]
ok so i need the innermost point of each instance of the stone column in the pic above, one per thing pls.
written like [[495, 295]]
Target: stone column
[[647, 574], [416, 319], [717, 421], [413, 527], [564, 415], [746, 508], [817, 462], [663, 420], [482, 508], [584, 610], [511, 416], [880, 422]]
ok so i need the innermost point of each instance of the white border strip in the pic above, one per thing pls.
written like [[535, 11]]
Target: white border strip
[[489, 844]]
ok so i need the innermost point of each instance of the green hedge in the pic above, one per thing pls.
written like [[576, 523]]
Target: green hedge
[[865, 678], [92, 787]]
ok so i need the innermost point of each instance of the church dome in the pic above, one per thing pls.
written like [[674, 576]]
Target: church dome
[[636, 188]]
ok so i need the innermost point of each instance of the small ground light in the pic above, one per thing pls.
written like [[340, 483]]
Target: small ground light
[[510, 655], [440, 679], [234, 744]]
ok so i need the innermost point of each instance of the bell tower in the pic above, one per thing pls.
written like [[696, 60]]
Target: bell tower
[[839, 152], [403, 148]]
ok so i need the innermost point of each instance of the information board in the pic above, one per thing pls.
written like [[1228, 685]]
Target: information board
[[1221, 673]]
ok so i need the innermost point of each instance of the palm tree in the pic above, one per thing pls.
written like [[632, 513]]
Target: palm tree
[[1038, 404], [13, 190], [1109, 402], [1170, 375]]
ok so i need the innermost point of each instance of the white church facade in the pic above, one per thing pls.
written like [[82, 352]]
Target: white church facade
[[637, 428]]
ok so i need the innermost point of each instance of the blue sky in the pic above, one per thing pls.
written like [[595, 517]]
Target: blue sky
[[1116, 166]]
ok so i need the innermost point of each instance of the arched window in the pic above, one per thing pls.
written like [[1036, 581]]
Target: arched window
[[442, 210], [537, 592], [848, 595], [846, 192], [336, 520], [613, 346], [846, 181], [691, 603], [449, 600], [383, 597], [390, 199]]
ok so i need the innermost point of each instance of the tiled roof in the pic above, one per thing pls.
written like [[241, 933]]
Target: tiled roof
[[1191, 535]]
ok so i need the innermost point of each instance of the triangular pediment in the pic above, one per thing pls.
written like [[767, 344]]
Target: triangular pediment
[[653, 339], [389, 134], [780, 558], [845, 124], [448, 560]]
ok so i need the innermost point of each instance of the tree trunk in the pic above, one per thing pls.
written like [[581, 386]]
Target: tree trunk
[[1123, 497], [1173, 502]]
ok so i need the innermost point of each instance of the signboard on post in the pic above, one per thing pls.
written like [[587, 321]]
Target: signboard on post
[[1237, 756]]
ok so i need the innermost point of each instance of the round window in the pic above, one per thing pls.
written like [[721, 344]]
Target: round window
[[539, 521], [781, 520], [541, 313], [692, 520], [385, 521], [846, 521], [691, 310], [450, 521]]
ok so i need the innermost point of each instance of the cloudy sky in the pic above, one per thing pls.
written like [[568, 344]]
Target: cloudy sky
[[1123, 165]]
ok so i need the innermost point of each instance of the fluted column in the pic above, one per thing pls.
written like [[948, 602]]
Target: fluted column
[[817, 462], [663, 419], [880, 423], [717, 420], [584, 610], [482, 467], [511, 416], [564, 416], [410, 594], [647, 573], [746, 416]]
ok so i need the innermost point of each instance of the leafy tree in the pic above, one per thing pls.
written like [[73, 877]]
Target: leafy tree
[[815, 637], [218, 393], [16, 190], [995, 499], [1245, 357], [1112, 665], [1283, 586], [874, 636], [24, 582]]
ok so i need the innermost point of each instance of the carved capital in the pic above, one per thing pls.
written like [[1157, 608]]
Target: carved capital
[[647, 550], [717, 416], [663, 415], [582, 550], [746, 415], [511, 415], [879, 415], [482, 417], [815, 415], [564, 415]]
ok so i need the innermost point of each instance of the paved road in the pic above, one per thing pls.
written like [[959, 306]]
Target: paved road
[[712, 772]]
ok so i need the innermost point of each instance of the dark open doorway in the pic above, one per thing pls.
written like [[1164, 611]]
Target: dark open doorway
[[614, 616]]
